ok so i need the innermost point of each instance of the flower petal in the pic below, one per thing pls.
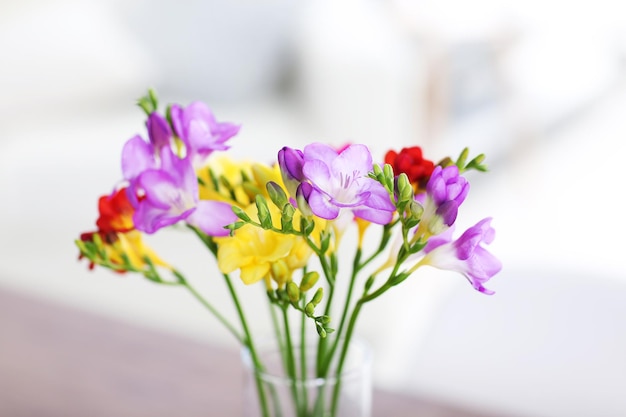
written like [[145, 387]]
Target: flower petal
[[159, 130], [160, 189], [319, 174], [149, 218], [320, 151], [321, 207], [355, 159], [137, 156], [212, 217], [373, 215], [254, 272]]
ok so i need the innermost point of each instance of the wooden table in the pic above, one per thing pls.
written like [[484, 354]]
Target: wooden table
[[57, 361]]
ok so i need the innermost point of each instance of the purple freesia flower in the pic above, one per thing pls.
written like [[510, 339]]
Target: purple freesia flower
[[167, 191], [340, 180], [465, 255], [290, 162], [166, 195], [201, 133], [447, 190]]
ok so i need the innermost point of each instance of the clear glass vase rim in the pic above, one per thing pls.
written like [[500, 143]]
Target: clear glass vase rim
[[311, 382]]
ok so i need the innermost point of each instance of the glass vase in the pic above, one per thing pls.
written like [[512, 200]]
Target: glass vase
[[272, 392]]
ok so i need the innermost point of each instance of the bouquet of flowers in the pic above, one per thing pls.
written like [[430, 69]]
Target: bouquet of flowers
[[282, 224]]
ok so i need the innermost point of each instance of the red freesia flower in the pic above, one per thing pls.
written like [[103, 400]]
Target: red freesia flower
[[411, 162], [116, 216], [117, 237], [116, 213]]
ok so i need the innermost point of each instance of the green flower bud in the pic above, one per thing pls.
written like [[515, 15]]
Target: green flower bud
[[309, 280], [265, 218], [306, 225], [388, 178], [149, 102], [477, 163], [388, 171], [303, 205], [309, 309], [462, 159], [321, 331], [277, 194], [405, 189], [234, 226], [280, 272], [293, 292], [416, 210], [241, 214], [446, 162], [286, 218], [317, 298], [377, 170]]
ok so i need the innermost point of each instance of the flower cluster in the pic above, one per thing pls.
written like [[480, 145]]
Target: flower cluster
[[266, 222]]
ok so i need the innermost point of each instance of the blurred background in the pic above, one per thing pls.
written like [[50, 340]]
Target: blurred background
[[537, 86]]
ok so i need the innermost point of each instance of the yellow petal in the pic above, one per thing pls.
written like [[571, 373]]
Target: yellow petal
[[254, 273]]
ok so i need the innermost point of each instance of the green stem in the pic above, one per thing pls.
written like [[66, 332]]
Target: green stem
[[303, 360], [246, 340], [258, 366], [355, 270], [277, 333], [323, 341], [342, 357], [291, 363], [350, 330], [212, 309]]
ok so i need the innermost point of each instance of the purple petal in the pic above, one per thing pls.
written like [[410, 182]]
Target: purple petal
[[321, 207], [319, 151], [355, 159], [137, 156], [176, 116], [448, 212], [224, 131], [199, 136], [149, 218], [318, 173], [483, 265], [291, 162], [473, 237], [200, 132], [379, 197], [181, 171], [212, 217], [159, 130], [436, 186], [160, 189], [373, 215], [463, 192]]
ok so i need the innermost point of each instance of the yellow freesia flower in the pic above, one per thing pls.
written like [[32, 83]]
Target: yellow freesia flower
[[260, 253], [117, 247]]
